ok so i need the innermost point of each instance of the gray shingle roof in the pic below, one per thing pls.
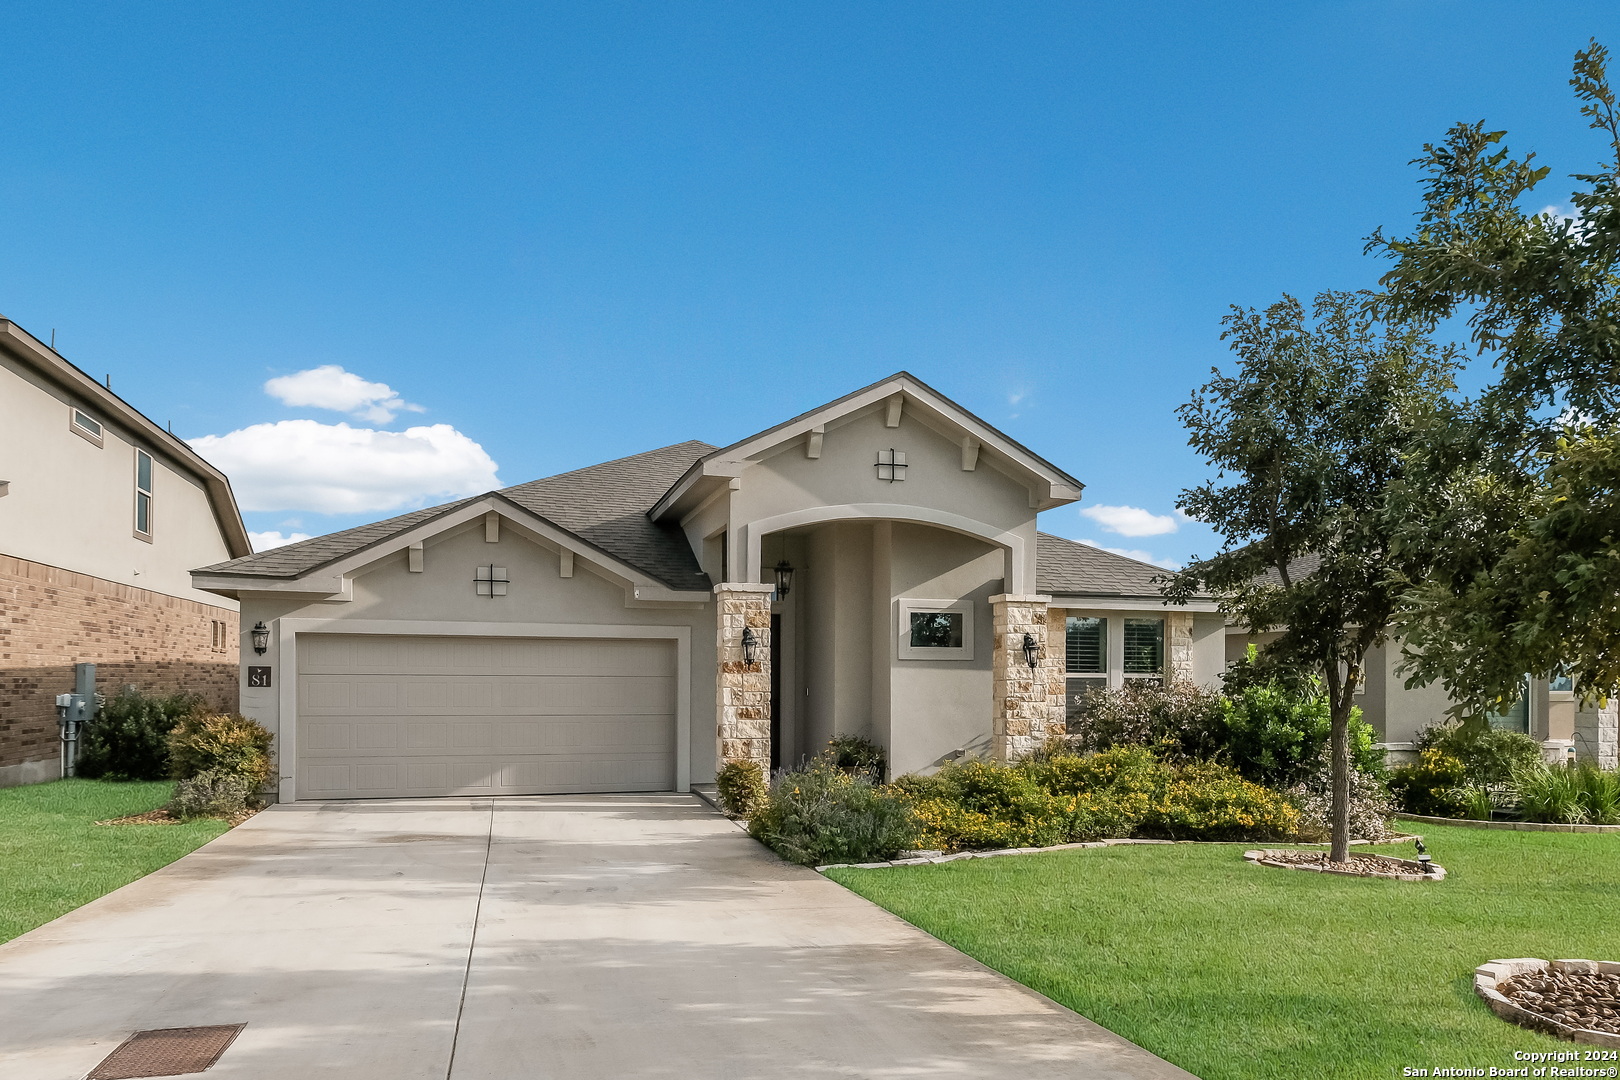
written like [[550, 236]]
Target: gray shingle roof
[[1067, 568], [605, 505]]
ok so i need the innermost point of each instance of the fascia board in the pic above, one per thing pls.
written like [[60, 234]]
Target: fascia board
[[332, 579], [1129, 603]]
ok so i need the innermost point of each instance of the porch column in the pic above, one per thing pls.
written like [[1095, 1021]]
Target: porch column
[[1027, 702], [743, 698], [1178, 629]]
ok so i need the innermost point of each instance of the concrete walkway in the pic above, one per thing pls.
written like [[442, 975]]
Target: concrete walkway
[[562, 937]]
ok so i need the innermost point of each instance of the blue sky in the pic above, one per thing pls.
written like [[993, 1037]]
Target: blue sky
[[543, 236]]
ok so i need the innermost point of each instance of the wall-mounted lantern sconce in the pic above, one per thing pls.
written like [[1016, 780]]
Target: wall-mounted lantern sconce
[[750, 645], [1032, 652], [784, 578], [261, 637]]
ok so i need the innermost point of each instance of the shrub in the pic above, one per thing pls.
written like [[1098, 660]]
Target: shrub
[[1569, 795], [1436, 785], [128, 739], [1178, 722], [1371, 804], [822, 814], [742, 788], [226, 743], [1118, 793], [976, 805], [211, 793], [1276, 736], [1205, 801], [1490, 758], [857, 754]]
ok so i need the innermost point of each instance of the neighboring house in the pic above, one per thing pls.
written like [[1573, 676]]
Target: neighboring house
[[871, 567], [102, 516], [1547, 710]]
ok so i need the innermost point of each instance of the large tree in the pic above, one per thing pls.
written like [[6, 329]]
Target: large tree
[[1519, 501], [1309, 439]]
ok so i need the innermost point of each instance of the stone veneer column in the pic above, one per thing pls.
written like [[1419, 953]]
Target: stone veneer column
[[1178, 628], [1027, 702], [743, 690]]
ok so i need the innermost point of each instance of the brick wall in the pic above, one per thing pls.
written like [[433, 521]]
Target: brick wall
[[51, 619]]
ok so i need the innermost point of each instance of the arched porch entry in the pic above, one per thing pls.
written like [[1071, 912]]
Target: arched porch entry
[[895, 627]]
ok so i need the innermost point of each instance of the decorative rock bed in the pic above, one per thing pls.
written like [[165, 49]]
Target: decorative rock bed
[[1360, 865], [1577, 1000]]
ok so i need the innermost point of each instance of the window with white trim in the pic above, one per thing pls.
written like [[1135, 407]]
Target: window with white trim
[[935, 630], [143, 494], [85, 426]]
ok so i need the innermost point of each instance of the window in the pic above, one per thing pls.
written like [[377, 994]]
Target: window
[[1086, 658], [1144, 648], [1086, 645], [85, 426], [1516, 717], [936, 630], [1559, 683], [143, 494]]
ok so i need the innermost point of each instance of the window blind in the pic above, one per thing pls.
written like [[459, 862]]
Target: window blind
[[1086, 646], [1144, 646]]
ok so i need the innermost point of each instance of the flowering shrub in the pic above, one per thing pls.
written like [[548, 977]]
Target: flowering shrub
[[1370, 804], [1064, 799], [822, 814], [1437, 785]]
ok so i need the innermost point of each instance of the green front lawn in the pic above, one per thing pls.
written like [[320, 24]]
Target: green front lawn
[[54, 857], [1238, 972]]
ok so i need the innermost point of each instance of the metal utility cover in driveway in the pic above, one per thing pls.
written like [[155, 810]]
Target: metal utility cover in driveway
[[167, 1052]]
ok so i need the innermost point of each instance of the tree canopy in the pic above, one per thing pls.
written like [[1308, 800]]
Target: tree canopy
[[1310, 438], [1517, 499]]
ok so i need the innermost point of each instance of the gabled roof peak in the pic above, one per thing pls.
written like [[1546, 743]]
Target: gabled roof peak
[[911, 392]]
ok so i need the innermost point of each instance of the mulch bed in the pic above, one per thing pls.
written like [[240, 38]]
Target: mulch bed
[[1360, 865], [1578, 1001], [161, 816]]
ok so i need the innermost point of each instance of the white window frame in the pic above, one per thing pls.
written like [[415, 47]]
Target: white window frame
[[907, 651], [151, 502], [98, 437]]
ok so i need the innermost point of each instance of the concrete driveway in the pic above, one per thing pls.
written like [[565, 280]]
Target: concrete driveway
[[572, 937]]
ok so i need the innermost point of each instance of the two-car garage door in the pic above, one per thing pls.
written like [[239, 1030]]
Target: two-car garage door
[[385, 716]]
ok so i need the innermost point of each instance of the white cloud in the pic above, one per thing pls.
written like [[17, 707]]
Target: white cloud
[[1131, 520], [338, 469], [1559, 213], [1136, 553], [330, 387], [264, 541]]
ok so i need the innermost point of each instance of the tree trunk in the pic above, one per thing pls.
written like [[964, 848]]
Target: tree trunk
[[1339, 747]]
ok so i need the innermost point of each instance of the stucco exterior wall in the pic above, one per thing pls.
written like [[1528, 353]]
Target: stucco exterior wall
[[71, 504], [787, 482], [442, 597]]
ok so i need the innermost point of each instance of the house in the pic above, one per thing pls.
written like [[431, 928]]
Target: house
[[870, 567], [103, 514], [1548, 709]]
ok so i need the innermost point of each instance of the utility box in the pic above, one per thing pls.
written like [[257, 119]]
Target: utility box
[[73, 712]]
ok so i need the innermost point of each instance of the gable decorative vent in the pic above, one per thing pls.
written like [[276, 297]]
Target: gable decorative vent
[[891, 465], [491, 581]]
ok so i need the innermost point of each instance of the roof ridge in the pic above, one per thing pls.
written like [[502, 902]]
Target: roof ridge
[[613, 461]]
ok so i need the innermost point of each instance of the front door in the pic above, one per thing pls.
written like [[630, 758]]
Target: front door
[[776, 692]]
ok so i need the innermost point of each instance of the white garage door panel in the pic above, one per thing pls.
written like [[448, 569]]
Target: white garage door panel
[[389, 717]]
